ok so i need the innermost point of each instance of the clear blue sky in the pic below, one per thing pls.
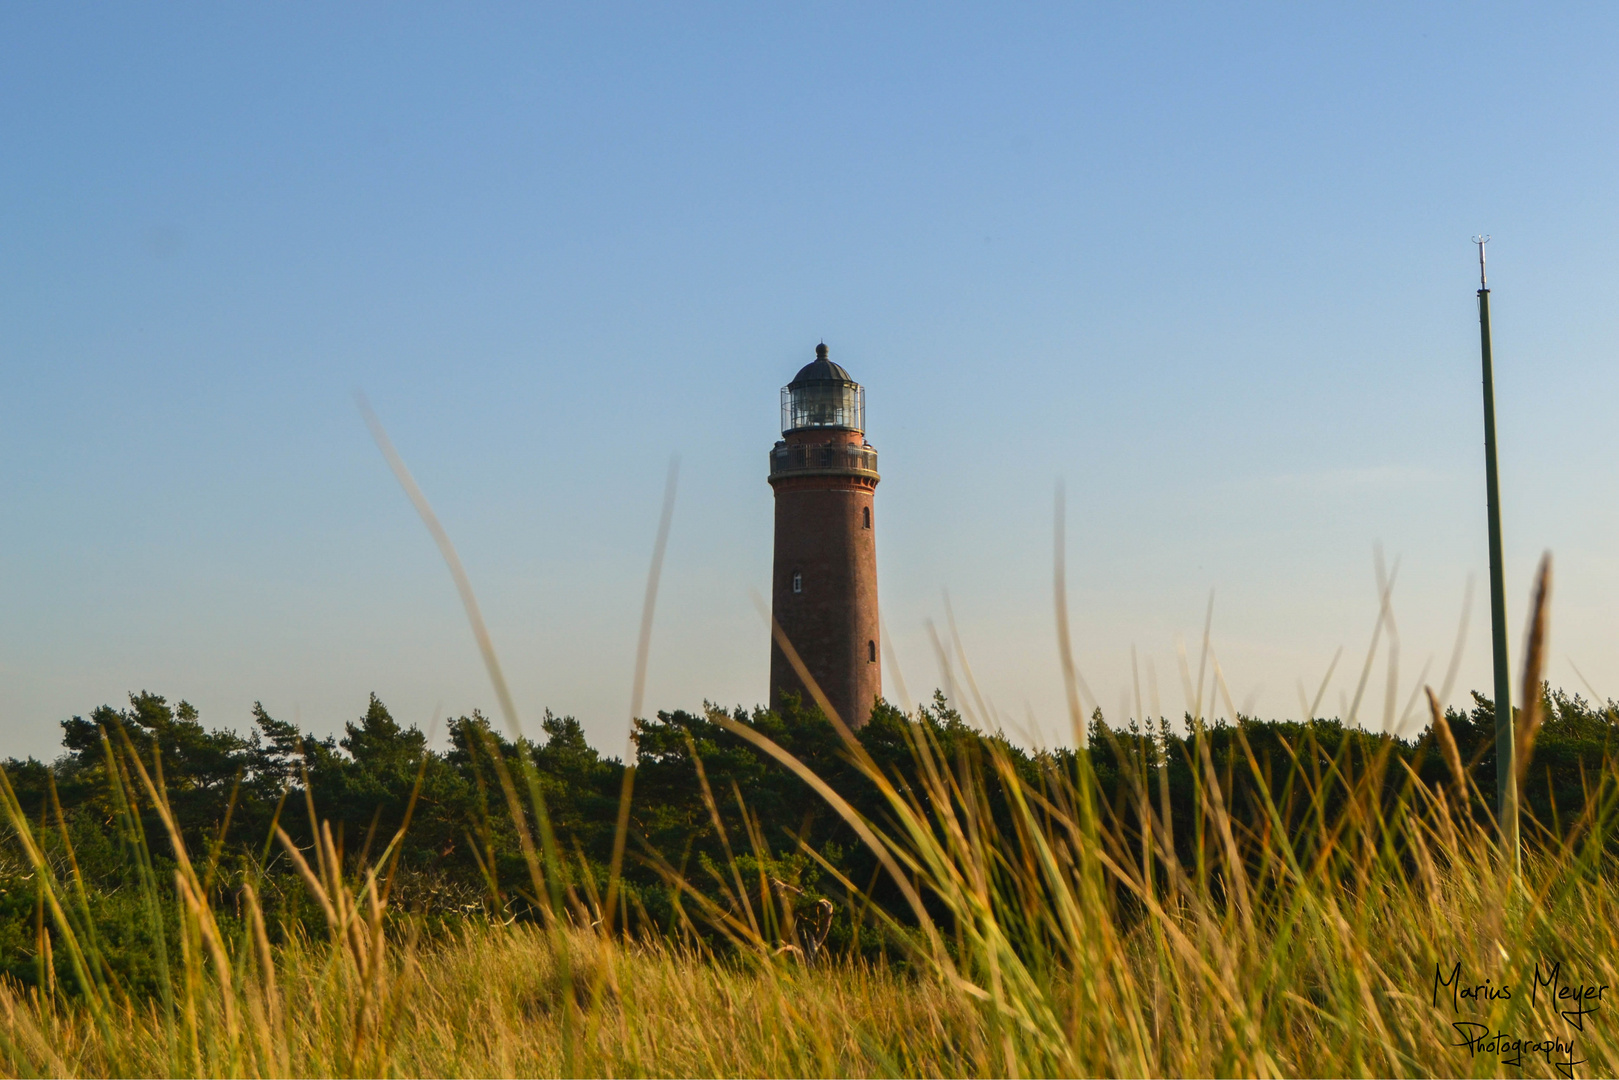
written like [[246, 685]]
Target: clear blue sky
[[1207, 265]]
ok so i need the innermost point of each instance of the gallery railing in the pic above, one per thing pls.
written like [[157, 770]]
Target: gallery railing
[[858, 460]]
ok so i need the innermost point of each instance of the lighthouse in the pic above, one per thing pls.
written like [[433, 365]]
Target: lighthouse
[[824, 592]]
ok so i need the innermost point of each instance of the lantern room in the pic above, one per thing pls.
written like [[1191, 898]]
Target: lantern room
[[822, 395]]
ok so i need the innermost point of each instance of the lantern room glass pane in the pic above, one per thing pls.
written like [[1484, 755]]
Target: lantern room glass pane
[[823, 405]]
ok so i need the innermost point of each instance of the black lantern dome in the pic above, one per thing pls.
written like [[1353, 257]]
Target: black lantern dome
[[822, 395]]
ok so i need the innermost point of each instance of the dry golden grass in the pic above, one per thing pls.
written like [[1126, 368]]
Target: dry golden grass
[[494, 1001], [1065, 941], [1069, 945], [1329, 981]]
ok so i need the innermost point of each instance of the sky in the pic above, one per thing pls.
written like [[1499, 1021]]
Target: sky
[[1207, 267]]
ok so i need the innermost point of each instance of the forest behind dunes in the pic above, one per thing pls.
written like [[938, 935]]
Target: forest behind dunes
[[460, 852]]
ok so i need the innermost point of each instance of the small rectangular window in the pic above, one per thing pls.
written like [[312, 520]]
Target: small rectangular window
[[865, 515], [798, 582], [871, 652]]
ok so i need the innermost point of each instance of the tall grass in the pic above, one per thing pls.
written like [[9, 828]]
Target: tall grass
[[1056, 936], [1039, 930]]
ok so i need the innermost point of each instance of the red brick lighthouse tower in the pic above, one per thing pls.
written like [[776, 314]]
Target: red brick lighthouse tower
[[825, 589]]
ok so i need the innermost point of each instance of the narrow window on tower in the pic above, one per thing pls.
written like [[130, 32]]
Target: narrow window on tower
[[865, 516], [871, 652], [798, 582]]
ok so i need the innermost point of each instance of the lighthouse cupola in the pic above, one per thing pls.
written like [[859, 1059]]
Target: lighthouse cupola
[[822, 395], [824, 473]]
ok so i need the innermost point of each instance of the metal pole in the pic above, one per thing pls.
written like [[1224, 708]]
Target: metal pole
[[1506, 766]]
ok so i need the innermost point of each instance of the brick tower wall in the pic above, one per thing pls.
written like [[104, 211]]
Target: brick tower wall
[[822, 535]]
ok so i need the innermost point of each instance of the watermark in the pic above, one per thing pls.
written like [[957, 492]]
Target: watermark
[[1552, 993]]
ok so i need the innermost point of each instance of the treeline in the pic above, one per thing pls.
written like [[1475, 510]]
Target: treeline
[[708, 808]]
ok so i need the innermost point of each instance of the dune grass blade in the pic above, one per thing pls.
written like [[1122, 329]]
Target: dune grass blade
[[643, 647], [1534, 655]]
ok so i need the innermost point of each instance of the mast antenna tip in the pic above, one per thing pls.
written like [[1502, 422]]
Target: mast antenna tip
[[1481, 241]]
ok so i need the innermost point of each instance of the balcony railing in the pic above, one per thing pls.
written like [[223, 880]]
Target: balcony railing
[[846, 459]]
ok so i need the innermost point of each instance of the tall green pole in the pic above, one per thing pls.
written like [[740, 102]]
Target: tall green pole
[[1506, 766]]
